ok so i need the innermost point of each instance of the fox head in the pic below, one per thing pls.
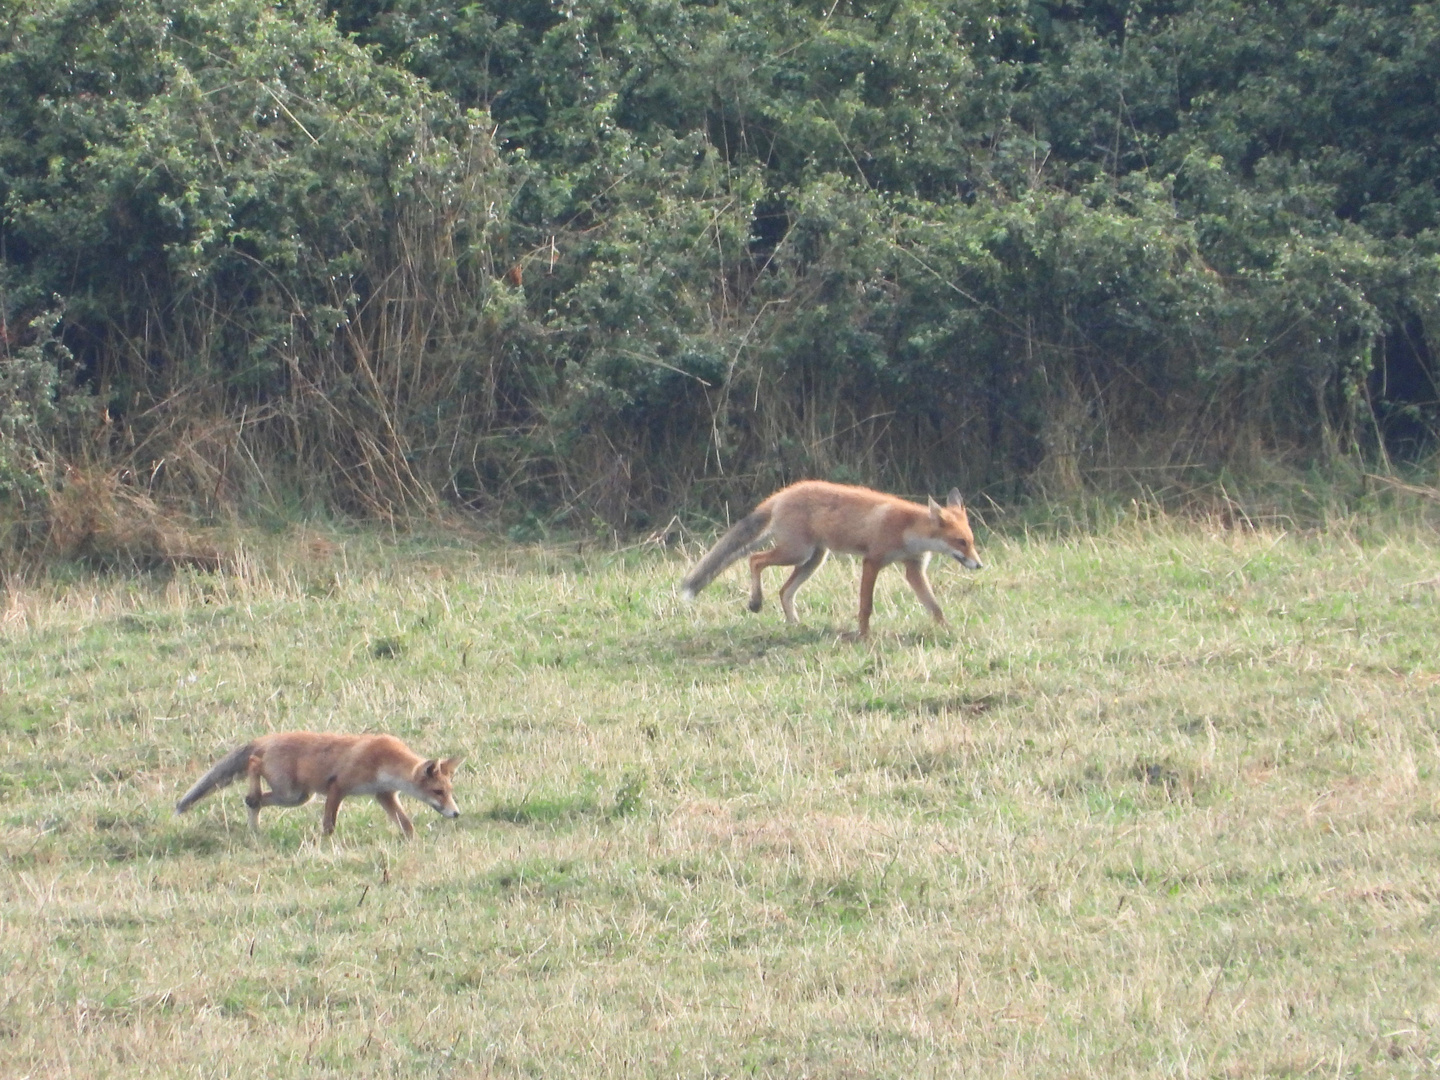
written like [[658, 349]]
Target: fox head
[[952, 527], [433, 785]]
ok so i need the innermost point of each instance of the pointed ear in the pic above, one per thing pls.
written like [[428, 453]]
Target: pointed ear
[[934, 510], [450, 764], [429, 768], [955, 502]]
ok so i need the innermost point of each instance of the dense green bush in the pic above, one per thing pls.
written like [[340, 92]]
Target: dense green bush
[[248, 218], [38, 405], [587, 254]]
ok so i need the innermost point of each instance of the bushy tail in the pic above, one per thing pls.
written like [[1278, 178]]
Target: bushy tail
[[225, 771], [742, 535]]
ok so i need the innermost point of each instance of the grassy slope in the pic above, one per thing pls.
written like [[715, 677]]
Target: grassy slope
[[1162, 802]]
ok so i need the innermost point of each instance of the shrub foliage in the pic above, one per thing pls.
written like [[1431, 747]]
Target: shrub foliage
[[386, 254]]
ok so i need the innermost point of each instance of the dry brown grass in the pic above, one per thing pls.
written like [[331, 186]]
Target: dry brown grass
[[103, 517]]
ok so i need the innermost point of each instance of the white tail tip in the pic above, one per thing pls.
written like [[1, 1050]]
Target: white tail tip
[[687, 594]]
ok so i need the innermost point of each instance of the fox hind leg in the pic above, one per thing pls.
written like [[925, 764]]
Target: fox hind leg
[[278, 795], [798, 577], [332, 807], [805, 560], [869, 568], [255, 798], [758, 562]]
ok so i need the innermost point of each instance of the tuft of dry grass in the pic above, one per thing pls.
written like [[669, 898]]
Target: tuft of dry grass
[[1162, 802], [100, 517]]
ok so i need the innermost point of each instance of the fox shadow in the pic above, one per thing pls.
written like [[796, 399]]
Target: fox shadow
[[153, 843], [751, 641], [730, 646]]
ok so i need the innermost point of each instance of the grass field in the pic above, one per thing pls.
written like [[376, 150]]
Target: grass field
[[1162, 801]]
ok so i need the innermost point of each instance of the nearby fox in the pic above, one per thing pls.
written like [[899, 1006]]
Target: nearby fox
[[810, 519], [299, 764]]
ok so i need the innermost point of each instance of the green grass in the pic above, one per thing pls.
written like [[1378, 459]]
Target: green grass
[[1160, 802]]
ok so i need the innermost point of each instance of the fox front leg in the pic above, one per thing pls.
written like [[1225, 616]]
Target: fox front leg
[[915, 575], [391, 803]]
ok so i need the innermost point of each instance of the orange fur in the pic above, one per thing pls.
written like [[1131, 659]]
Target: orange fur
[[299, 764], [812, 518]]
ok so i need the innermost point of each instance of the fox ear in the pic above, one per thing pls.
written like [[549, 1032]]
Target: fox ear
[[429, 769], [955, 501], [450, 764], [934, 509]]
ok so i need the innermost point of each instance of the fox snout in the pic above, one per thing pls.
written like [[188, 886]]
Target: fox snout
[[970, 562], [443, 804]]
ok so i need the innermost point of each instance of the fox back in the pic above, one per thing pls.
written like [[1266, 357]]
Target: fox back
[[871, 524], [359, 765]]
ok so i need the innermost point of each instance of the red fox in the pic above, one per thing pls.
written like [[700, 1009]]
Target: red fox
[[812, 518], [299, 764]]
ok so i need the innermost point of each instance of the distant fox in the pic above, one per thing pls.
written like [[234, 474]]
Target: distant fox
[[299, 764], [810, 519]]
